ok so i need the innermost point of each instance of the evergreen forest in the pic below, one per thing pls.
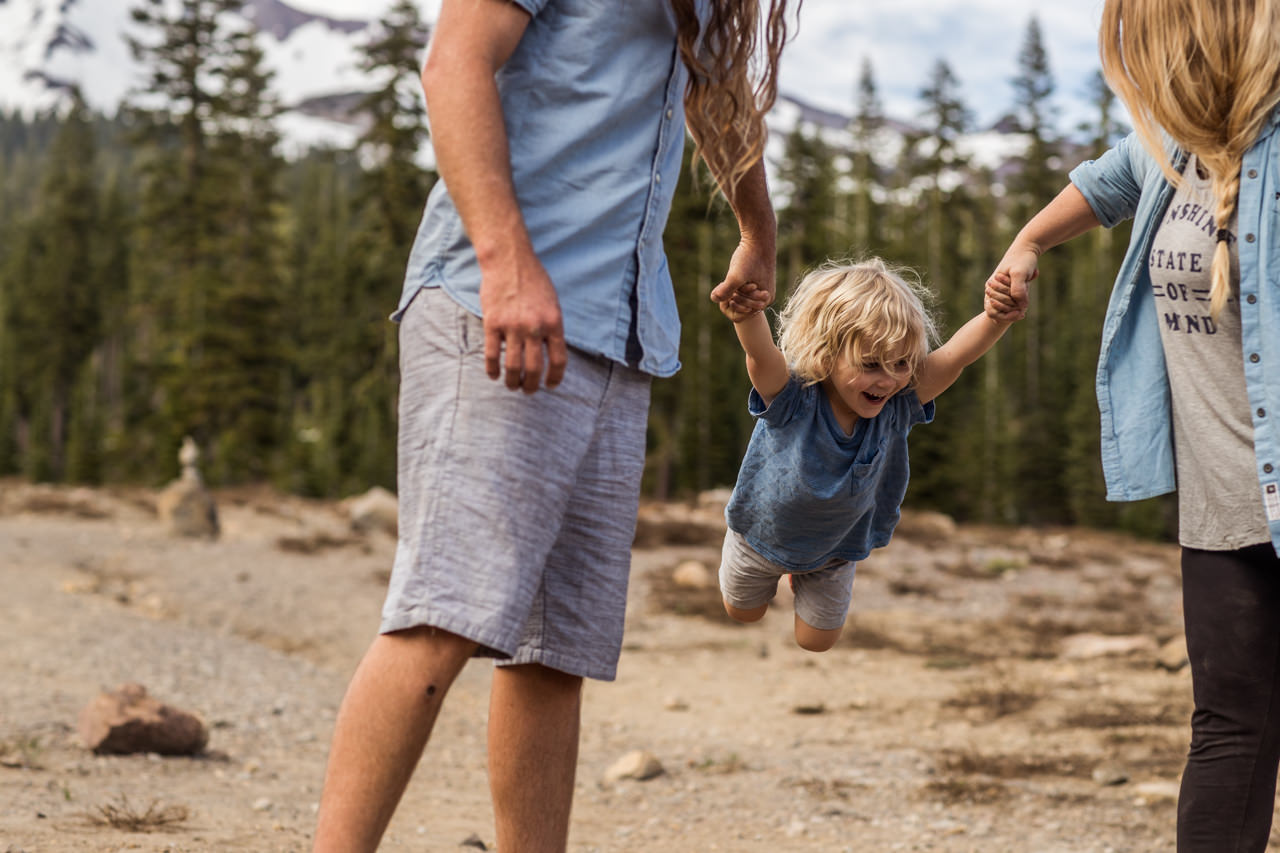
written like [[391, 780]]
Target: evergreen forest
[[167, 271]]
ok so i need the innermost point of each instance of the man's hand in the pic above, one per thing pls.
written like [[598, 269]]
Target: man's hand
[[743, 304], [749, 283], [522, 317]]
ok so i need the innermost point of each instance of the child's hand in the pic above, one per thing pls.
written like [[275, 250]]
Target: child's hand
[[999, 301], [747, 300]]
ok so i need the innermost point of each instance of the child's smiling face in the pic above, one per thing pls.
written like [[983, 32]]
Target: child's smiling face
[[861, 390]]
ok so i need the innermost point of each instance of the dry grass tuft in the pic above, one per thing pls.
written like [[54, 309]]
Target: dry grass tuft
[[123, 815], [973, 763], [993, 701], [316, 542], [973, 791]]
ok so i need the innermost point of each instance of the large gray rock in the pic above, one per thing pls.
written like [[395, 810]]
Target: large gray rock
[[127, 720]]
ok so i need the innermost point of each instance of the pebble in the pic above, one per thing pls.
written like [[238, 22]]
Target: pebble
[[692, 574], [639, 764], [1110, 774], [1155, 793], [1173, 654], [1089, 646]]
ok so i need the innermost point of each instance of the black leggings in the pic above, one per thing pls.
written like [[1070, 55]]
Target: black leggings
[[1231, 603]]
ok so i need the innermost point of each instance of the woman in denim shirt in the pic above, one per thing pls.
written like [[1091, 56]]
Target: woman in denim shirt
[[1189, 373]]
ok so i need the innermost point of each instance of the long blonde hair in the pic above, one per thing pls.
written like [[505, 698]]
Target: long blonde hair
[[860, 312], [733, 80], [1207, 73]]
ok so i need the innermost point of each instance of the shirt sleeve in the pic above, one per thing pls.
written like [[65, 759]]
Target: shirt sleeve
[[533, 7], [1111, 184], [781, 408], [912, 411]]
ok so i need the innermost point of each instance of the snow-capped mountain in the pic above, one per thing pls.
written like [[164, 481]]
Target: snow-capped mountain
[[47, 46]]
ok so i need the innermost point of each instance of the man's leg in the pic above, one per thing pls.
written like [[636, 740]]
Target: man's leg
[[382, 727], [533, 755]]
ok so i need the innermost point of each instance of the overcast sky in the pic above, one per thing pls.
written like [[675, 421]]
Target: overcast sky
[[979, 39]]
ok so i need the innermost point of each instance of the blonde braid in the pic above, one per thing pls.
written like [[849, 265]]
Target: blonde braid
[[1227, 194], [1207, 73]]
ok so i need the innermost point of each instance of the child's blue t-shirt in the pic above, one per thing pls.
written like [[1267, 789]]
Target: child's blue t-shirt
[[807, 493]]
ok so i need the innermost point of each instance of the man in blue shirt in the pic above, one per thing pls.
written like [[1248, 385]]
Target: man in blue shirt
[[558, 128]]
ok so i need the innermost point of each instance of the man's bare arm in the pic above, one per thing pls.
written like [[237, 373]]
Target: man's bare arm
[[472, 40]]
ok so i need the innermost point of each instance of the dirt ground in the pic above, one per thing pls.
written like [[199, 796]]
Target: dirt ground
[[975, 704]]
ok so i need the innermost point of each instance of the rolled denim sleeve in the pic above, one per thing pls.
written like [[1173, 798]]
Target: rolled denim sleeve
[[1111, 183]]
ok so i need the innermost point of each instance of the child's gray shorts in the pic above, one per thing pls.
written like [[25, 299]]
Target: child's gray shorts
[[517, 511], [748, 580]]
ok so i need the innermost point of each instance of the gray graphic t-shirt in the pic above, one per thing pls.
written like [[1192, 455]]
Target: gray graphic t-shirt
[[1219, 502]]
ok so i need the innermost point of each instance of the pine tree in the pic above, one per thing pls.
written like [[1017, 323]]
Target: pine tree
[[184, 50], [809, 231], [242, 386], [698, 422], [1041, 337], [936, 160], [864, 172], [393, 188], [207, 300], [51, 313]]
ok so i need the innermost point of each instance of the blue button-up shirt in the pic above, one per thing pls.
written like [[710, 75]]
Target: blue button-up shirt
[[1132, 383], [593, 101]]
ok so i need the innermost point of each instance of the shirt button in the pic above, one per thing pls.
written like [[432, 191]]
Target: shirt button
[[1262, 413], [669, 113], [1253, 173], [1248, 238], [1267, 469], [657, 179], [1254, 358], [1251, 298]]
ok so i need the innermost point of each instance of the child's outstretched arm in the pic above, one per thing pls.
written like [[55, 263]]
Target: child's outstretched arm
[[766, 365], [943, 366]]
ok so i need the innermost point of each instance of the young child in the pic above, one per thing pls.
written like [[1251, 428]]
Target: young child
[[826, 468]]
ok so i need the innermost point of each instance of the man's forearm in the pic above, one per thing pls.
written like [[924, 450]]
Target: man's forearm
[[469, 135], [754, 209]]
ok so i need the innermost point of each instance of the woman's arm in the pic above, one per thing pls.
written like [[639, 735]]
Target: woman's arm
[[1065, 218]]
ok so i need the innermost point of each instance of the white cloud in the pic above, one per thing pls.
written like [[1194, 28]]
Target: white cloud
[[979, 39]]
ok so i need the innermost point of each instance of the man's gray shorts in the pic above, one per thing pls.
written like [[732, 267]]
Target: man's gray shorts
[[748, 580], [517, 512]]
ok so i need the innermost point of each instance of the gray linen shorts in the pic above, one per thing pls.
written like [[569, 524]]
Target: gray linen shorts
[[748, 580], [517, 512]]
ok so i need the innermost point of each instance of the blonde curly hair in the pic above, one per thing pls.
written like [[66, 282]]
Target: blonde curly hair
[[863, 312], [1207, 73]]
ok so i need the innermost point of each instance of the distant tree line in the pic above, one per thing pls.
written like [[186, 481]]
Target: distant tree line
[[167, 272]]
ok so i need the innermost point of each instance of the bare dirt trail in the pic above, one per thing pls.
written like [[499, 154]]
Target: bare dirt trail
[[981, 701]]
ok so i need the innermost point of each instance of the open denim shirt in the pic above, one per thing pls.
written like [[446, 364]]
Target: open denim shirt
[[1132, 382]]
